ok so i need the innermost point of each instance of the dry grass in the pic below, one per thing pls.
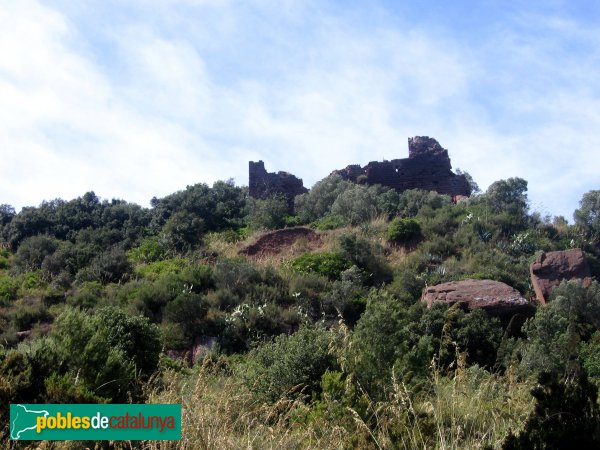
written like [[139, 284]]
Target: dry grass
[[221, 413], [472, 410]]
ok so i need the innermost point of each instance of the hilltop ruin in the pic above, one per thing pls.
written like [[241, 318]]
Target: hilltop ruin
[[263, 184], [427, 167]]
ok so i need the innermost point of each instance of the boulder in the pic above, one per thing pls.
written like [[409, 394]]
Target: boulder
[[496, 298], [550, 268]]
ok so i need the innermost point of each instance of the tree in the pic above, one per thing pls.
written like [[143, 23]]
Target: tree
[[588, 214], [7, 213], [182, 232], [220, 207], [317, 203], [360, 203], [555, 334], [414, 200], [508, 194], [267, 214], [474, 186]]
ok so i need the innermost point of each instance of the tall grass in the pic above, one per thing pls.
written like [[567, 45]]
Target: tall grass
[[221, 413], [473, 409]]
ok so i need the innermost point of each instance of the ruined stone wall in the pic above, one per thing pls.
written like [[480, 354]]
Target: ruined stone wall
[[263, 184], [428, 167]]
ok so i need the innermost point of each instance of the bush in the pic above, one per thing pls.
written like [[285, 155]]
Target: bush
[[86, 296], [291, 365], [366, 256], [32, 252], [267, 214], [588, 214], [329, 265], [330, 222], [8, 289], [236, 275], [412, 201], [403, 230], [110, 266], [156, 269], [110, 351], [555, 333], [188, 311], [25, 314], [361, 204], [589, 354], [182, 232], [148, 251], [566, 415]]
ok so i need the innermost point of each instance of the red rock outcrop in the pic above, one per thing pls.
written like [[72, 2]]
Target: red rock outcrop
[[496, 298], [550, 268]]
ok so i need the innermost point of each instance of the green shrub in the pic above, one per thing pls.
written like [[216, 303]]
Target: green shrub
[[229, 236], [555, 333], [589, 353], [412, 201], [566, 415], [403, 230], [25, 314], [8, 289], [32, 252], [237, 275], [318, 201], [110, 266], [329, 265], [330, 222], [148, 251], [30, 280], [112, 352], [290, 366], [87, 295], [267, 214], [188, 311], [150, 299], [156, 269], [367, 256], [182, 232]]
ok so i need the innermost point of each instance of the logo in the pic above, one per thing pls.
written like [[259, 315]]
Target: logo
[[95, 422]]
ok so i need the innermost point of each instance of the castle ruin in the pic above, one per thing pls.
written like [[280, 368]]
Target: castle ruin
[[427, 167], [263, 184]]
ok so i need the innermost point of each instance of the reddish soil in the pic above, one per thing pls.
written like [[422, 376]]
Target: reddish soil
[[276, 241]]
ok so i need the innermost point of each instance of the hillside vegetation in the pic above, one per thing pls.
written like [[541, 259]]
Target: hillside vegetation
[[323, 343]]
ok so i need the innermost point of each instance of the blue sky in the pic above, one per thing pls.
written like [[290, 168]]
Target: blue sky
[[135, 99]]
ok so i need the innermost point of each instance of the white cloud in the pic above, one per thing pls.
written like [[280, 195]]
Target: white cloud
[[135, 101]]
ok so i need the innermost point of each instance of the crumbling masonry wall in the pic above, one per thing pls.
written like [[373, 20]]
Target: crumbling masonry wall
[[263, 184], [427, 167]]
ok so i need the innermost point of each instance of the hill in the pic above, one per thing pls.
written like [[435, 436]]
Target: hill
[[307, 330]]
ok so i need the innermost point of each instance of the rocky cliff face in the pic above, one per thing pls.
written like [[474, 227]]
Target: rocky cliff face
[[428, 167]]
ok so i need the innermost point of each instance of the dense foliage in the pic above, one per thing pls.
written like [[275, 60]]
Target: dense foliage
[[106, 301]]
